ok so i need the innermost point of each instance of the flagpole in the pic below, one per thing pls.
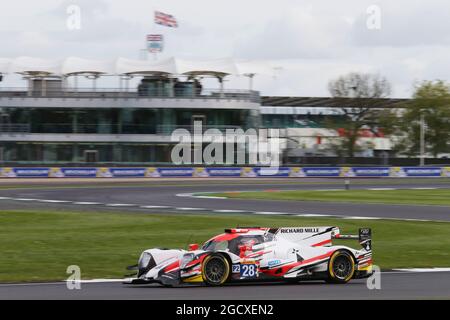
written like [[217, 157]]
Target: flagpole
[[155, 57]]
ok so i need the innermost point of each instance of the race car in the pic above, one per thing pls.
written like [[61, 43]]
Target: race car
[[245, 254]]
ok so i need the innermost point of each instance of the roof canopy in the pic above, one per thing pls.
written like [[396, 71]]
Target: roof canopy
[[75, 65], [35, 66], [127, 66]]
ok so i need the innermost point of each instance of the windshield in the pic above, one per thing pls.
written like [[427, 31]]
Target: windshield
[[215, 245]]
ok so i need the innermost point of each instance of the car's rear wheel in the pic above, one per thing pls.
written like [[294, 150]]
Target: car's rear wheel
[[341, 267], [215, 270]]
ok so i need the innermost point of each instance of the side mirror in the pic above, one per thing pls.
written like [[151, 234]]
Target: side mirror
[[193, 247]]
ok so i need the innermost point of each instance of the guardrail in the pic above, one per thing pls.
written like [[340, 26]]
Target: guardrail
[[111, 93], [113, 128]]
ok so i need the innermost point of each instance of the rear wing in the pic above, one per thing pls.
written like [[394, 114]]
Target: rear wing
[[364, 237]]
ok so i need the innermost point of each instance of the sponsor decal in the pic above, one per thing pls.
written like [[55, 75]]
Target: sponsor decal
[[272, 263], [127, 172], [445, 172], [176, 172], [72, 172], [422, 172], [224, 172], [347, 172], [104, 173], [322, 172], [397, 172], [8, 173], [200, 173], [370, 172], [297, 172], [280, 172], [248, 172], [299, 230], [152, 173]]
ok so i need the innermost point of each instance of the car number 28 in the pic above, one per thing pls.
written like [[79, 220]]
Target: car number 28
[[249, 271]]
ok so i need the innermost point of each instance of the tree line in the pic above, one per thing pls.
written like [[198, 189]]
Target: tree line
[[358, 105]]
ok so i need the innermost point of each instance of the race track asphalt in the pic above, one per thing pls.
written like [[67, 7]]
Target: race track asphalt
[[394, 285], [153, 196]]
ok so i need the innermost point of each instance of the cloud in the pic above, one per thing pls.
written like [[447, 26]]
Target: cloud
[[300, 33], [313, 40]]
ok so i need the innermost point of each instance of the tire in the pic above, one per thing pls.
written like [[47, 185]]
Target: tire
[[341, 267], [215, 270]]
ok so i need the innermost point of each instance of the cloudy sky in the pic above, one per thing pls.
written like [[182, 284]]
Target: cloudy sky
[[312, 41]]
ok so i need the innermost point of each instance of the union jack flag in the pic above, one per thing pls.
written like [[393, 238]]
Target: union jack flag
[[165, 19]]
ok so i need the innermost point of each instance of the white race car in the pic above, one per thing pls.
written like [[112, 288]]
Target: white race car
[[255, 253]]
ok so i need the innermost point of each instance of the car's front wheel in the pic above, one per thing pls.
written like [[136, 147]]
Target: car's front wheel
[[215, 270], [341, 267]]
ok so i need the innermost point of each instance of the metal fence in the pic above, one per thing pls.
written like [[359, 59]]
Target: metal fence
[[112, 93]]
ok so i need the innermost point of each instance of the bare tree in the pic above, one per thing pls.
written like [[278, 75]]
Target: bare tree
[[357, 101]]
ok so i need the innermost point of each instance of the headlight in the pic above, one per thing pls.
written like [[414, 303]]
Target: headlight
[[144, 260], [188, 257]]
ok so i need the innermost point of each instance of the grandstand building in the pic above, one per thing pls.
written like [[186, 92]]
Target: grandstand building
[[54, 120]]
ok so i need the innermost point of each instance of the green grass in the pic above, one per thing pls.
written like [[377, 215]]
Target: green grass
[[39, 245], [405, 196]]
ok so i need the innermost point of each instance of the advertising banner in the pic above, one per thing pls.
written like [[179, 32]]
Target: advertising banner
[[224, 172], [273, 172], [369, 171], [204, 172], [322, 172], [72, 172], [24, 172], [127, 172], [176, 172], [422, 172]]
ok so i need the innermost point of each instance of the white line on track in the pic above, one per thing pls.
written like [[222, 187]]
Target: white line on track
[[221, 210], [270, 213], [424, 188], [381, 189], [424, 270], [360, 218], [52, 201], [394, 271], [209, 197], [155, 207], [87, 203], [96, 281], [313, 215]]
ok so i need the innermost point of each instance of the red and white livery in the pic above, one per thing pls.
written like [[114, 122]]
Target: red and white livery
[[265, 254]]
